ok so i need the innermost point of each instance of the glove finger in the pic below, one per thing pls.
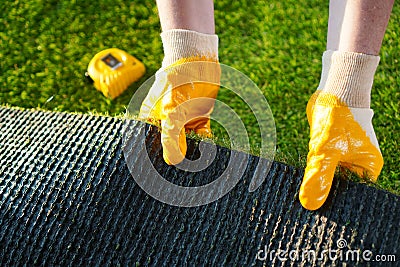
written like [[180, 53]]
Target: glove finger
[[365, 159], [200, 126], [173, 140], [317, 180], [204, 131], [323, 156], [151, 106], [198, 119]]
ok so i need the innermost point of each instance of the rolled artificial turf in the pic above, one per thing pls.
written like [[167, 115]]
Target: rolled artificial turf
[[67, 198]]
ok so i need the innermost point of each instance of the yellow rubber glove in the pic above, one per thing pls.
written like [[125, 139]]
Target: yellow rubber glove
[[181, 100], [338, 135]]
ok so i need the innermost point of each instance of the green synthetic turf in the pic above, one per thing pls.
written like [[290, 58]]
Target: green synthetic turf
[[45, 47]]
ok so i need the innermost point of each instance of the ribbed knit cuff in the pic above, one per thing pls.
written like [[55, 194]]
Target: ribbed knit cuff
[[180, 44], [349, 76]]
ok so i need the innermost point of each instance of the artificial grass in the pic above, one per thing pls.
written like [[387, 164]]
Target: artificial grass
[[46, 46]]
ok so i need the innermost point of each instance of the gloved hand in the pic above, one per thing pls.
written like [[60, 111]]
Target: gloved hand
[[181, 100], [338, 135]]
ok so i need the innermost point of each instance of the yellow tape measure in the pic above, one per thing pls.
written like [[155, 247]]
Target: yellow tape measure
[[113, 70]]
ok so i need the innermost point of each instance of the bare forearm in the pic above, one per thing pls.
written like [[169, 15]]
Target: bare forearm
[[358, 25], [195, 15]]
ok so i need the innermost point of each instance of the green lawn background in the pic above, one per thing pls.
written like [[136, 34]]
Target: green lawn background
[[45, 47]]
